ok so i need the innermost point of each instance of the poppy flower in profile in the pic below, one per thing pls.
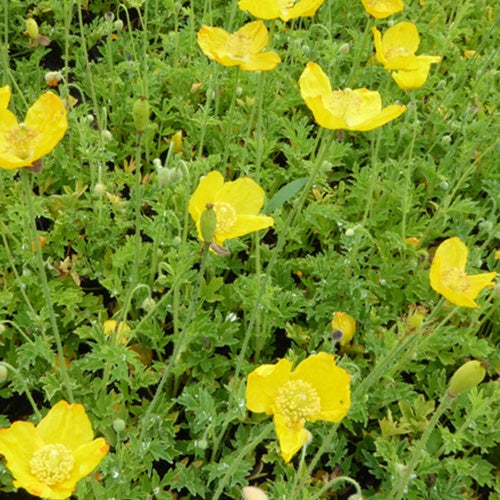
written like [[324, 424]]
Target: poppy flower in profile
[[48, 459], [23, 144], [448, 277], [317, 389], [359, 109], [243, 48], [396, 51], [283, 9], [382, 8], [344, 323]]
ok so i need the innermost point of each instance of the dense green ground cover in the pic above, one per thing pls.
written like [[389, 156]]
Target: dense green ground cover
[[118, 242]]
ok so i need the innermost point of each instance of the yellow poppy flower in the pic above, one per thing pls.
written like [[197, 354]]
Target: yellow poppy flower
[[236, 204], [382, 8], [316, 390], [447, 274], [243, 48], [49, 459], [22, 144], [396, 51], [346, 324], [284, 9], [359, 109], [119, 329]]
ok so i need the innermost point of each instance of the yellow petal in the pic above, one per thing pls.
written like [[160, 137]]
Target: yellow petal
[[264, 61], [388, 114], [314, 82], [263, 384], [331, 382], [291, 439], [17, 445], [67, 424], [450, 254], [324, 115], [4, 96], [212, 41], [381, 9], [346, 324], [245, 224], [304, 8], [379, 49], [47, 117], [205, 193], [257, 32], [399, 45], [263, 9], [243, 194]]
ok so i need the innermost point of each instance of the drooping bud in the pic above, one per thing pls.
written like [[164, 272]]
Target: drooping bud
[[140, 112], [208, 223], [346, 324], [32, 28], [466, 377]]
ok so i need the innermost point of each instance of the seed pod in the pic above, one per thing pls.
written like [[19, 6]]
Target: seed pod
[[140, 112], [32, 28], [177, 142], [466, 377], [208, 223]]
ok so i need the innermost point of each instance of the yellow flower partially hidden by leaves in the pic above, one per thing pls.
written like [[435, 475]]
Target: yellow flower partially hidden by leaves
[[236, 204], [316, 390], [448, 277], [284, 9], [344, 323], [118, 328], [382, 8], [359, 109], [49, 459], [243, 48], [23, 144], [396, 51]]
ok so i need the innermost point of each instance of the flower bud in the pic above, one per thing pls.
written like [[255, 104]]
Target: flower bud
[[466, 377], [32, 28], [148, 304], [208, 223], [99, 189], [52, 78], [177, 142], [4, 373], [119, 425], [106, 135], [201, 444], [346, 324], [344, 48], [253, 493], [2, 328], [140, 112], [118, 25]]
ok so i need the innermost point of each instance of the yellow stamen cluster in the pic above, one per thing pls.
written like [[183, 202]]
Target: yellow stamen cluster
[[52, 464], [20, 140], [226, 216], [298, 401], [237, 46]]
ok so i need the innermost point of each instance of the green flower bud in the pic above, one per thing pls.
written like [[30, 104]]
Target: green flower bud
[[208, 223], [32, 28], [140, 112], [119, 425], [466, 377]]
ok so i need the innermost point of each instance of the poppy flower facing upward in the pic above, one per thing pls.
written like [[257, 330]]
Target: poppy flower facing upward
[[23, 144], [284, 9], [243, 48], [316, 390], [236, 204], [396, 51], [382, 8], [448, 277], [359, 109], [48, 460]]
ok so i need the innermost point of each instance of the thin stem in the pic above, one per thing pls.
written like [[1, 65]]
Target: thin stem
[[230, 114], [45, 285], [333, 482], [400, 489]]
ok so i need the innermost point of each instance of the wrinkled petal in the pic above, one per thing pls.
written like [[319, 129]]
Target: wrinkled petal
[[263, 9], [331, 382], [4, 96], [324, 116], [381, 9], [408, 80], [87, 458], [305, 8], [291, 439], [243, 194], [247, 224], [379, 49], [314, 82], [385, 116], [402, 35], [47, 117], [257, 32], [263, 384], [67, 424], [451, 253], [265, 61], [212, 41], [205, 193], [17, 445]]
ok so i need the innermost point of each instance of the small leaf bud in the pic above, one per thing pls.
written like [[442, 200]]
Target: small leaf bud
[[208, 223], [140, 112], [469, 375]]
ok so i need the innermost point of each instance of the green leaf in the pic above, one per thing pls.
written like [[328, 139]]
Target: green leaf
[[284, 194]]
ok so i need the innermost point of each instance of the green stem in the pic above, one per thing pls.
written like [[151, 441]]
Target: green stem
[[333, 482], [400, 489], [230, 115], [44, 282], [25, 387], [360, 50]]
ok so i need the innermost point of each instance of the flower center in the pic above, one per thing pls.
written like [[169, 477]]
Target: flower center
[[226, 216], [298, 401], [455, 280], [52, 464], [20, 140], [397, 51], [237, 46]]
